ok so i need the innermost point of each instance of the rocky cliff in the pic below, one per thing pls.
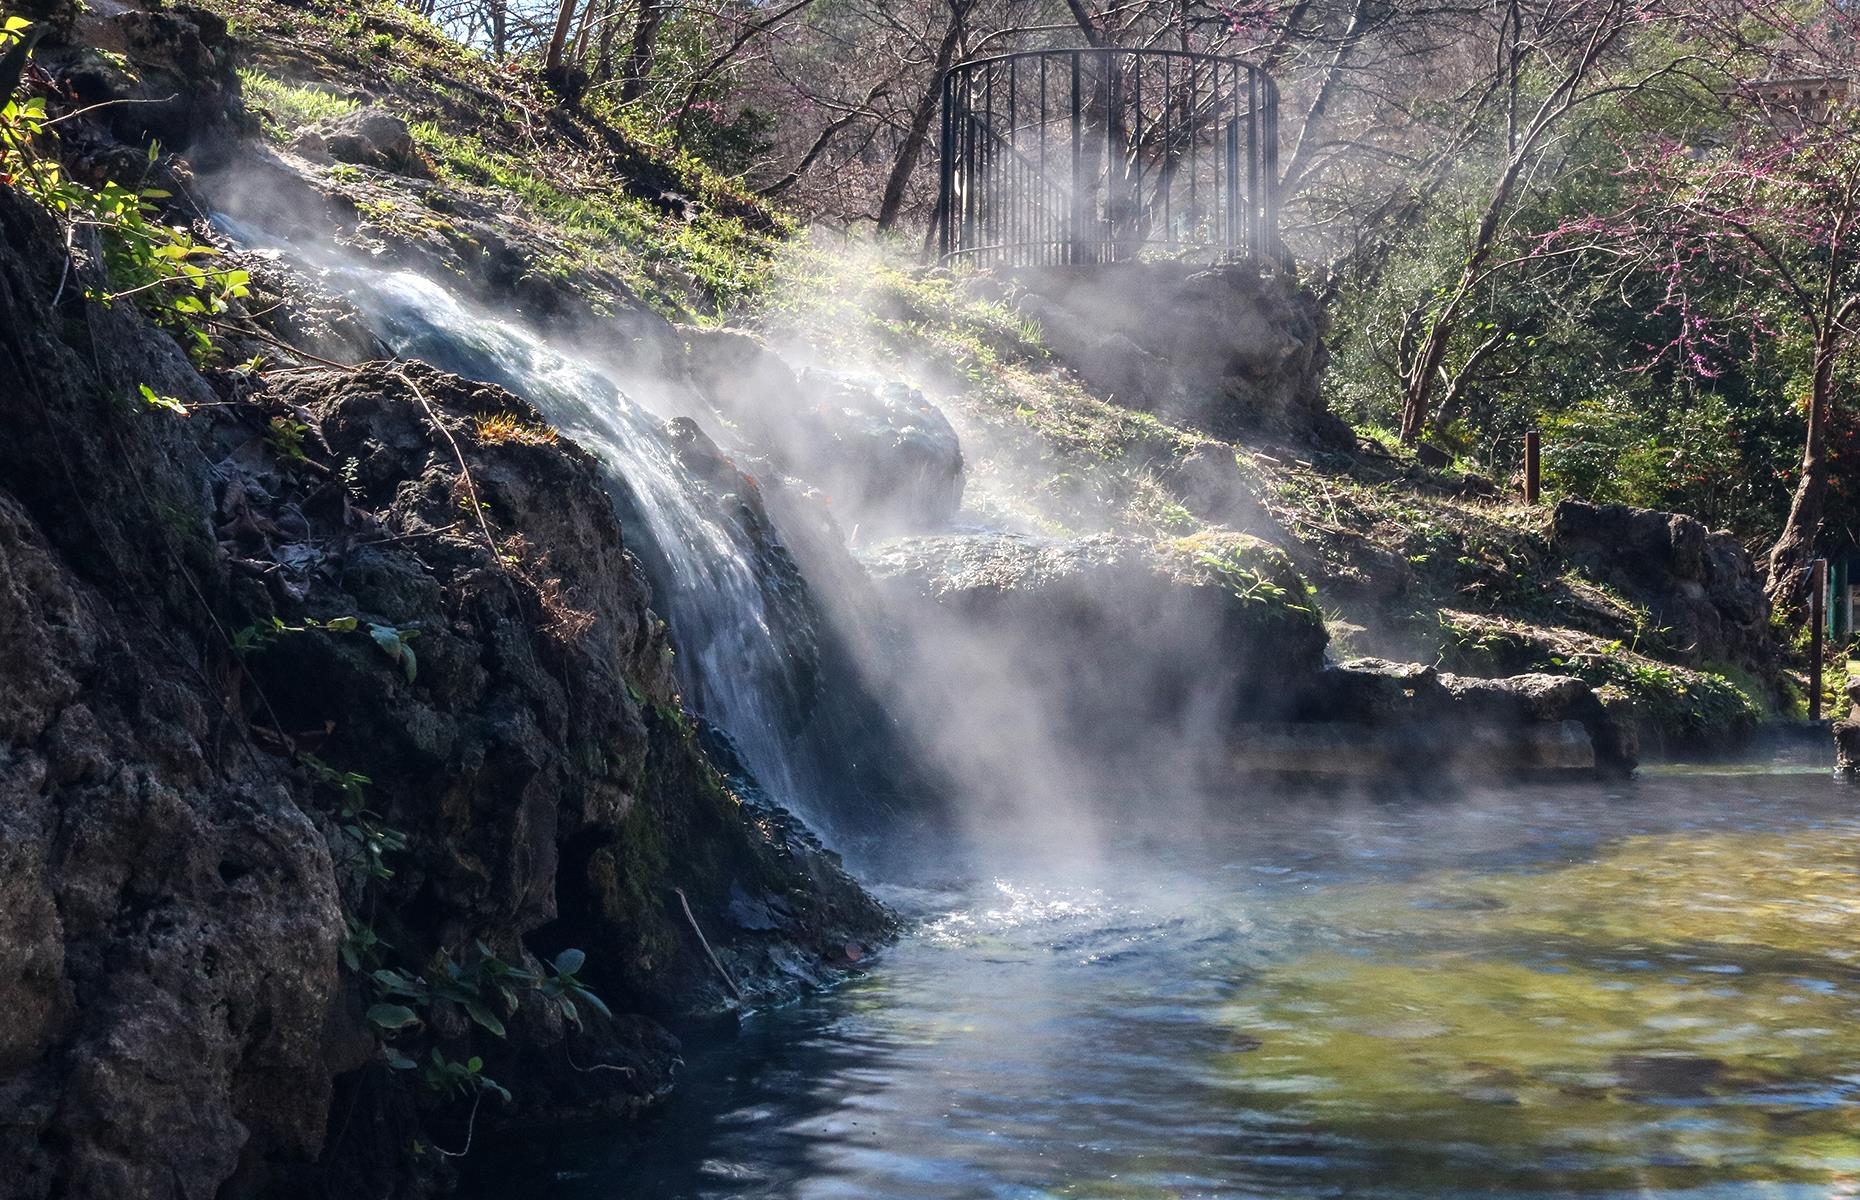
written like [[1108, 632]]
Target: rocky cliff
[[344, 784]]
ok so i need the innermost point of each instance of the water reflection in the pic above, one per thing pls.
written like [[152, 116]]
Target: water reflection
[[1547, 991]]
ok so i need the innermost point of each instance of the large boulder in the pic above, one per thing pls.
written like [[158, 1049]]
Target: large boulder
[[368, 137], [1043, 678], [1536, 699], [1212, 484], [889, 450], [886, 457], [1119, 626], [1700, 587], [1407, 719], [1223, 348]]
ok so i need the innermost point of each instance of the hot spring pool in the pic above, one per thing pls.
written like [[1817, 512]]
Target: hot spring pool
[[1649, 989]]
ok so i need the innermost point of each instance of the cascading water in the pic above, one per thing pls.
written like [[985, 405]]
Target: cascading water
[[732, 661]]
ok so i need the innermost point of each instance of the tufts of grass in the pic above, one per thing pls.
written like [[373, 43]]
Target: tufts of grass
[[504, 429], [1678, 705], [284, 108], [669, 259]]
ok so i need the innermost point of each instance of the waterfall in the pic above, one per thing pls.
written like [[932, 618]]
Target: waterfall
[[731, 664]]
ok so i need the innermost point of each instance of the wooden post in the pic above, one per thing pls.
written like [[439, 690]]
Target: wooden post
[[1533, 467], [1817, 626], [1845, 598]]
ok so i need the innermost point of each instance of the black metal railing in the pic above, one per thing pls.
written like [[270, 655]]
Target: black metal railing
[[1102, 154]]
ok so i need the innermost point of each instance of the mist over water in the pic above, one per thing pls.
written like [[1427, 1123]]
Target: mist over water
[[1122, 983], [1547, 991]]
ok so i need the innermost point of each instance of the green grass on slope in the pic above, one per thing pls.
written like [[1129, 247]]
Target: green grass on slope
[[609, 197]]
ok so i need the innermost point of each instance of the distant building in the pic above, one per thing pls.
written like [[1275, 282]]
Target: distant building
[[1792, 102]]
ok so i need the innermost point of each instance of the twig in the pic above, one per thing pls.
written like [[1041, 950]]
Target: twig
[[570, 1058], [64, 272], [166, 280], [78, 112], [471, 1127], [471, 486], [284, 345], [418, 533], [705, 942]]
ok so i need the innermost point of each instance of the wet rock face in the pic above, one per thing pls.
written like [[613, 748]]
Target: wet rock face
[[1224, 348], [174, 881], [1700, 587], [168, 915], [541, 748]]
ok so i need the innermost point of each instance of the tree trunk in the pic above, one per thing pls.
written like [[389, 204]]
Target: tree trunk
[[1795, 548], [905, 165], [1418, 380], [558, 40], [578, 52], [604, 57], [638, 66]]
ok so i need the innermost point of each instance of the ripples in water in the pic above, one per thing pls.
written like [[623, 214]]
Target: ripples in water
[[1546, 991]]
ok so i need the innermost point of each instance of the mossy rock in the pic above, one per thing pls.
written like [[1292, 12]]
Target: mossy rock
[[1141, 618], [1676, 709]]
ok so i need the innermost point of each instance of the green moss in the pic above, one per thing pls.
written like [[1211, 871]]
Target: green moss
[[1680, 706]]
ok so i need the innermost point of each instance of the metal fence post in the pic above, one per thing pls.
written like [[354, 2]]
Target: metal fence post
[[1003, 202], [1817, 622], [1533, 466]]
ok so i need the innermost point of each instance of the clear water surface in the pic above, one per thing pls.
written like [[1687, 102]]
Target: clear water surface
[[1648, 989]]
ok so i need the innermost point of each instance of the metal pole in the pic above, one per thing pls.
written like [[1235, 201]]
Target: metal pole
[[1256, 228], [1017, 184], [1165, 174], [1533, 467], [1817, 620], [1109, 253], [1078, 168], [946, 168], [1139, 215], [1269, 218]]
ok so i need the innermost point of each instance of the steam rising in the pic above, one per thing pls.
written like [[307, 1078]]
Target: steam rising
[[1033, 720]]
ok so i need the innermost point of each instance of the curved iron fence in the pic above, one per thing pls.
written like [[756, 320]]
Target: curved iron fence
[[1103, 154]]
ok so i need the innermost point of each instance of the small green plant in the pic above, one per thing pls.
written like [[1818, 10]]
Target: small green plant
[[487, 990], [446, 1077], [564, 986], [154, 400], [394, 643], [1250, 586], [261, 635], [373, 839], [361, 946], [286, 438], [156, 265]]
